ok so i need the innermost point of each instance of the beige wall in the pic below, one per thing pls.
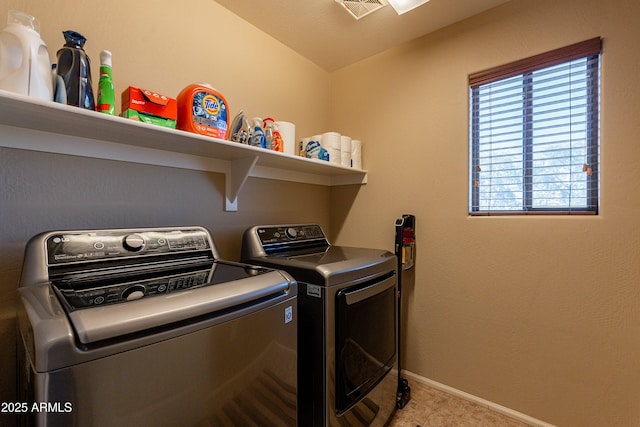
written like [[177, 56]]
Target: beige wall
[[162, 46], [166, 45], [539, 314], [536, 314]]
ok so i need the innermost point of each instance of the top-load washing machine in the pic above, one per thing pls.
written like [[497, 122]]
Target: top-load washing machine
[[148, 327], [347, 337]]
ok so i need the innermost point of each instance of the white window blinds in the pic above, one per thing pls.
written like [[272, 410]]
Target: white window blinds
[[535, 134]]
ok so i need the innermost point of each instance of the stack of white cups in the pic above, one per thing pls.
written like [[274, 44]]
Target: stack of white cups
[[345, 151], [331, 142]]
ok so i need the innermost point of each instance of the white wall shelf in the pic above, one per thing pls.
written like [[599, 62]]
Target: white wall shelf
[[33, 124]]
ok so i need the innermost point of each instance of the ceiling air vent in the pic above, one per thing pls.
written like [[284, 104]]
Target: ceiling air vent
[[361, 8]]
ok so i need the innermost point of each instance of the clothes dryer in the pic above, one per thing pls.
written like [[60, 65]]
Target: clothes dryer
[[347, 323]]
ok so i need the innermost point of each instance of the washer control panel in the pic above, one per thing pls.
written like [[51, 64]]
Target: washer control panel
[[122, 292], [73, 247], [290, 233]]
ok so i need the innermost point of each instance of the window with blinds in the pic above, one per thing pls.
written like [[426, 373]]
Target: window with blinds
[[534, 134]]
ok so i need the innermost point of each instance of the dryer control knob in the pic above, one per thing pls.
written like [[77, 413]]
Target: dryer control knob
[[133, 242], [291, 233]]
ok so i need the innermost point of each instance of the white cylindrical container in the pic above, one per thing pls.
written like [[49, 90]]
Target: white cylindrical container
[[331, 143], [315, 139], [335, 156], [345, 150], [345, 159], [356, 154], [314, 149], [25, 67], [331, 140], [288, 132]]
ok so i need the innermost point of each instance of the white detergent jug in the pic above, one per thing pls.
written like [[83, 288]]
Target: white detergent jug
[[25, 67]]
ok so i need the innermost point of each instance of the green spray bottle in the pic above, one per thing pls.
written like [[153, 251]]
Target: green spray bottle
[[106, 92]]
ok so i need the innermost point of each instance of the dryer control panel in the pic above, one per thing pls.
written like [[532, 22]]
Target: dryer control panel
[[289, 233]]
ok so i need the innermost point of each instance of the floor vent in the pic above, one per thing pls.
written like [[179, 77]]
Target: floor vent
[[361, 8]]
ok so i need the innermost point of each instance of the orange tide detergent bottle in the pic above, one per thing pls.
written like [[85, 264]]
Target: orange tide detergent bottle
[[203, 110]]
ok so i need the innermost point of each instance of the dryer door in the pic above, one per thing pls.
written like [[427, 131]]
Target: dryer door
[[365, 338]]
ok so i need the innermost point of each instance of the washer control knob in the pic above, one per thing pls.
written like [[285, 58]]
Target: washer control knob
[[133, 242], [133, 293], [291, 233]]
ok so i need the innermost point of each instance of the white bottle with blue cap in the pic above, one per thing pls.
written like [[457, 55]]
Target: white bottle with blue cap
[[25, 67]]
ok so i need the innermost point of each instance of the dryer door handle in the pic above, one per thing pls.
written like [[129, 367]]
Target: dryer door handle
[[353, 297]]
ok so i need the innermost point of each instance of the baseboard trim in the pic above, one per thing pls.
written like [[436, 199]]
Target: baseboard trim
[[477, 400]]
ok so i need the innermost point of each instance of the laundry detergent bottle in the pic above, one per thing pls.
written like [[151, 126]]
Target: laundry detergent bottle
[[203, 110], [74, 67], [25, 67]]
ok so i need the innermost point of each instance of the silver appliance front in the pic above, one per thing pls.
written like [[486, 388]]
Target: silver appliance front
[[225, 355], [347, 367], [323, 398]]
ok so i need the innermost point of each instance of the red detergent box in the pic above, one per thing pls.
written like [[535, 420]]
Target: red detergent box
[[148, 102]]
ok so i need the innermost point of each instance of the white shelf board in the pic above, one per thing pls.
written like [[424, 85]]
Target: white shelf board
[[40, 125]]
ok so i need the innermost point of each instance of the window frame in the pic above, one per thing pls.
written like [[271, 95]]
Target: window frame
[[591, 50]]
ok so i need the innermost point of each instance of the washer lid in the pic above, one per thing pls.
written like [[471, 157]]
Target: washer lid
[[163, 301]]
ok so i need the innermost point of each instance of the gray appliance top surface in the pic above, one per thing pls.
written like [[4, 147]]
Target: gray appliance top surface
[[312, 259]]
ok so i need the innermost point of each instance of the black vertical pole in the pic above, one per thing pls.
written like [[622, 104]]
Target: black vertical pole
[[404, 391]]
